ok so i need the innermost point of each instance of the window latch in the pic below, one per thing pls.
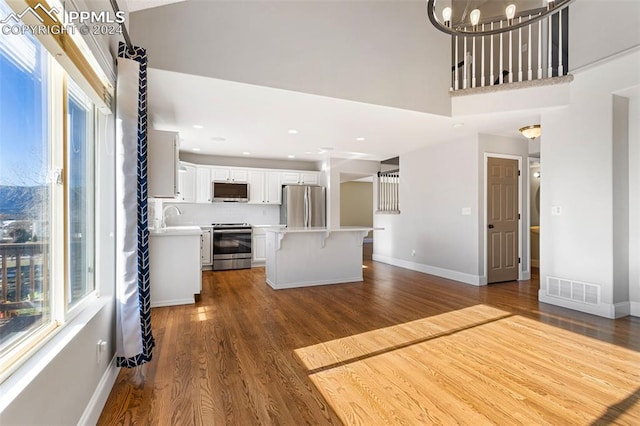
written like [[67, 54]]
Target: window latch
[[58, 176]]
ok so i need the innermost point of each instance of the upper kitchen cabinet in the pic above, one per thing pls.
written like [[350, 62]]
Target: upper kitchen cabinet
[[300, 178], [230, 174], [203, 184], [265, 187], [162, 159], [187, 183]]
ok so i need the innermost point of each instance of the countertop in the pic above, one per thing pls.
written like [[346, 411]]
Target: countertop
[[173, 231], [283, 230]]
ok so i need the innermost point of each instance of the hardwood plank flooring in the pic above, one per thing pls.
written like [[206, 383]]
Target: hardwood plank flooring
[[399, 348]]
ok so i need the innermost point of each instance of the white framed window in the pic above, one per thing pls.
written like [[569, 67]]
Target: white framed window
[[47, 186]]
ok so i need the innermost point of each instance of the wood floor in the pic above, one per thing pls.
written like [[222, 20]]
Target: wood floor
[[400, 348]]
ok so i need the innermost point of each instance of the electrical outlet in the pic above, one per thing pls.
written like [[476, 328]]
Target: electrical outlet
[[413, 252], [101, 348]]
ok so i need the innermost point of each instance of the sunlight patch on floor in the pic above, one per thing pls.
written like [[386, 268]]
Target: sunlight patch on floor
[[477, 365]]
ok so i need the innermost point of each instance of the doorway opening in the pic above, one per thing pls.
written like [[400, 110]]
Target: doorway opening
[[356, 205]]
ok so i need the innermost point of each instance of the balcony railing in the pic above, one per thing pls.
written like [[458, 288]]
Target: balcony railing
[[22, 277], [534, 52]]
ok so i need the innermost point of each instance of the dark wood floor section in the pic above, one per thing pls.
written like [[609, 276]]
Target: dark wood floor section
[[229, 360]]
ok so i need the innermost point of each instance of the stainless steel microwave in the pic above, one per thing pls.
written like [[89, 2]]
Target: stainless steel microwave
[[230, 192]]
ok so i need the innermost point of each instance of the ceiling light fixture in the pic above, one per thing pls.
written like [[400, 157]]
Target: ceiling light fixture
[[360, 139], [457, 21], [531, 132], [457, 125], [198, 126], [218, 139], [293, 132], [195, 149], [246, 153], [291, 156]]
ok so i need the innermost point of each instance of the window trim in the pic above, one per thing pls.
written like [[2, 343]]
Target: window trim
[[27, 347]]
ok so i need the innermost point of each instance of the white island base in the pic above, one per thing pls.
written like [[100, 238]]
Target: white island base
[[302, 257]]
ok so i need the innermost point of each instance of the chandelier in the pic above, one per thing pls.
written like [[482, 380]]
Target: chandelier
[[454, 17]]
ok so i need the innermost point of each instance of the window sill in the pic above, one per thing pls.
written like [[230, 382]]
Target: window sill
[[16, 379]]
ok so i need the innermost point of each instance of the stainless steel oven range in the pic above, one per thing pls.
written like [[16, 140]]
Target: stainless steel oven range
[[231, 246]]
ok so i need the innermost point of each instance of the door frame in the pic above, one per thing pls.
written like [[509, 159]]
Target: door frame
[[522, 274]]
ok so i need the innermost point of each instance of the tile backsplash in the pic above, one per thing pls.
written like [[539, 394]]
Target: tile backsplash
[[206, 214]]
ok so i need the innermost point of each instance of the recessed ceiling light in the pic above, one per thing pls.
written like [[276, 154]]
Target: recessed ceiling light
[[293, 132], [198, 126], [327, 148], [291, 156], [457, 125], [246, 153], [308, 152], [360, 139], [196, 149], [218, 139]]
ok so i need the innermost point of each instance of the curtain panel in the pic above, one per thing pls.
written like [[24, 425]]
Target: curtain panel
[[133, 305]]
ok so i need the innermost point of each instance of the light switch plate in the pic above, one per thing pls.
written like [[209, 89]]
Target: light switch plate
[[466, 211], [556, 210]]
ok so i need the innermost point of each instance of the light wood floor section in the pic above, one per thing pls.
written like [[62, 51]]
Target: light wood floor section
[[400, 348]]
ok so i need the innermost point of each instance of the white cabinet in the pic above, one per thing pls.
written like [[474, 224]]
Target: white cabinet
[[206, 248], [300, 178], [187, 183], [229, 174], [258, 245], [265, 187], [162, 160], [203, 184], [174, 268]]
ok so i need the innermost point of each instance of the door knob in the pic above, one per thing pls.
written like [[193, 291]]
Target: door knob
[[490, 226]]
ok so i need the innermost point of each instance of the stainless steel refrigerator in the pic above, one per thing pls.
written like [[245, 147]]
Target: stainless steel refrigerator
[[303, 206]]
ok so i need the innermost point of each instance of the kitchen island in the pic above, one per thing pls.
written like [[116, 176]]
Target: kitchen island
[[302, 257]]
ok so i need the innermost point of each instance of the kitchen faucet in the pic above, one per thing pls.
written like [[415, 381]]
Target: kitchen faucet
[[164, 215]]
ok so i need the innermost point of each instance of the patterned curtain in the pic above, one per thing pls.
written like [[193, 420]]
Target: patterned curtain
[[133, 305]]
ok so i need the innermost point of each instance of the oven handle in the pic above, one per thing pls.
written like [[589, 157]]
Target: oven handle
[[232, 231]]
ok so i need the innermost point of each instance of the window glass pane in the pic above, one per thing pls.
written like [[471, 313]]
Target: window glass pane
[[80, 194], [25, 208]]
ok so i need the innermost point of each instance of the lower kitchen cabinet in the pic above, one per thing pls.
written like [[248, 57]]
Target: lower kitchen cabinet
[[258, 246], [175, 275]]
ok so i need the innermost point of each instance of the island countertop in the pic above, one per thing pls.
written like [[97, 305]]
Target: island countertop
[[285, 230]]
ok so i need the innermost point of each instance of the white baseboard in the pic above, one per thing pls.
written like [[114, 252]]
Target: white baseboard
[[606, 310], [634, 309], [99, 398], [173, 302], [432, 270], [314, 283]]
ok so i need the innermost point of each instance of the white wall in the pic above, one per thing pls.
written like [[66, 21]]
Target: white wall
[[436, 183], [381, 52], [634, 204], [577, 153], [601, 28]]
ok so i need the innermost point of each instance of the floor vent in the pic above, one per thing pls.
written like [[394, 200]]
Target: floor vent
[[573, 290]]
